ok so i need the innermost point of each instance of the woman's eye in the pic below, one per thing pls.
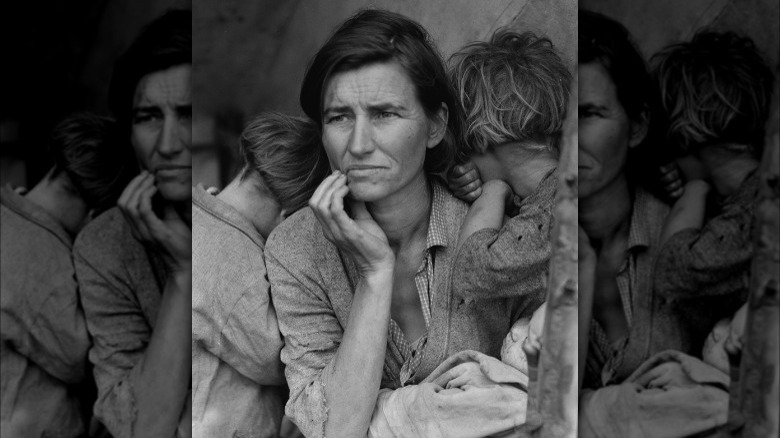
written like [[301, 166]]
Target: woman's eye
[[144, 118], [336, 119]]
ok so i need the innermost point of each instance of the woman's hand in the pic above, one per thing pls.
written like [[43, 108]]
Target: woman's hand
[[359, 236], [465, 182], [171, 235], [469, 373]]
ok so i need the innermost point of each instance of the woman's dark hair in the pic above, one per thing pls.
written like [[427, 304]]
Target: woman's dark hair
[[715, 89], [166, 42], [84, 147], [608, 43], [377, 36]]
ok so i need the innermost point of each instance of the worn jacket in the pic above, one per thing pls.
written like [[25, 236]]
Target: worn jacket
[[312, 285], [44, 336], [512, 262], [121, 283], [237, 376], [705, 272]]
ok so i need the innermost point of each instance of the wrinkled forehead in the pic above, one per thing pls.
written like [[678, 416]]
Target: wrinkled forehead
[[596, 85], [170, 85], [380, 82]]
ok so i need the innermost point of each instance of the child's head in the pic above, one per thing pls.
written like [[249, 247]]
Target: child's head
[[514, 88], [727, 334], [282, 154], [86, 153], [716, 89], [524, 338]]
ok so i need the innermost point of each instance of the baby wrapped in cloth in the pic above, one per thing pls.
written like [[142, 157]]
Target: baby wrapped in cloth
[[469, 395], [671, 394]]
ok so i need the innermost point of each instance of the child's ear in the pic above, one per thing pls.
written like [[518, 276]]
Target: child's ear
[[438, 126], [639, 129]]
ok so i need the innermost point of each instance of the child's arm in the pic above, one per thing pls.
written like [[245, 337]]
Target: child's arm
[[688, 211], [487, 211]]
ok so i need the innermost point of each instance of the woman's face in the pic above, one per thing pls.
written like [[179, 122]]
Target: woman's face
[[376, 131], [162, 130], [605, 132]]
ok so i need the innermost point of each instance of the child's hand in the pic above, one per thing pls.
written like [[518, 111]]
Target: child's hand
[[464, 181], [671, 180]]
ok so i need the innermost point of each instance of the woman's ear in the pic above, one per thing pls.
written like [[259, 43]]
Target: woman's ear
[[438, 126], [639, 129]]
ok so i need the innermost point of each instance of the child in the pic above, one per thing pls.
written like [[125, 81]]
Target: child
[[716, 91], [514, 90], [237, 375]]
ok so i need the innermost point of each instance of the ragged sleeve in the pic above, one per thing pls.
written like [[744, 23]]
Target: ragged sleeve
[[310, 328], [505, 263], [120, 335]]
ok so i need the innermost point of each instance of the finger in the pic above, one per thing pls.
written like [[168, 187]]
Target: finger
[[467, 178], [147, 220], [444, 379], [459, 381], [316, 198], [131, 187], [359, 210], [337, 204], [134, 197], [472, 196], [648, 377], [461, 169], [129, 205], [323, 207], [668, 168], [346, 226], [674, 185], [327, 198]]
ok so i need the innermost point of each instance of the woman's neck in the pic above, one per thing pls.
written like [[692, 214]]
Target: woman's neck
[[606, 215], [184, 210], [404, 215]]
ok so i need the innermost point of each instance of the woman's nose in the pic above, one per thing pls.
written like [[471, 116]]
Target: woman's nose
[[361, 142]]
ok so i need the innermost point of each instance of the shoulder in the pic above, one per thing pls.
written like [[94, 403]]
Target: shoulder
[[226, 261], [299, 237], [107, 238], [448, 208]]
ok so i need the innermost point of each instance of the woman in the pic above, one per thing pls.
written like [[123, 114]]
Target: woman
[[621, 219], [133, 263], [360, 280]]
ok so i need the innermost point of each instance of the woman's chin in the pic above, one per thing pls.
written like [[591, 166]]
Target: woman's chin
[[366, 192]]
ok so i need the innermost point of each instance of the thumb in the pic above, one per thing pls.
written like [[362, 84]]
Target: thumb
[[359, 210]]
